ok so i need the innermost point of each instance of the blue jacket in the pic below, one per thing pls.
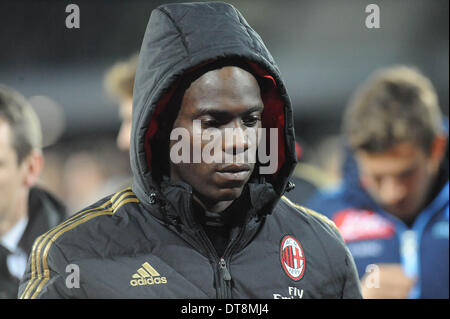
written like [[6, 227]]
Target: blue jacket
[[375, 236]]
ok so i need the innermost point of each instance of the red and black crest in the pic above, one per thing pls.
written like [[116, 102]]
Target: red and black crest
[[292, 257]]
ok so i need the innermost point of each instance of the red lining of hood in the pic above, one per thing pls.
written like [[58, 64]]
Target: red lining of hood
[[153, 126], [272, 117]]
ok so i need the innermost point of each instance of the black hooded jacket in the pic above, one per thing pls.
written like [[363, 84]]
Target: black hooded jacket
[[146, 242]]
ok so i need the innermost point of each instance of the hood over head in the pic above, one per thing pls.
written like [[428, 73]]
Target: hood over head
[[183, 41]]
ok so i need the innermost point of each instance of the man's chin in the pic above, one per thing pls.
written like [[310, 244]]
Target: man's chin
[[403, 212], [227, 194], [218, 195]]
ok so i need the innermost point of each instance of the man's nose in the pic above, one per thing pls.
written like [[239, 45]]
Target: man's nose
[[392, 191], [235, 138]]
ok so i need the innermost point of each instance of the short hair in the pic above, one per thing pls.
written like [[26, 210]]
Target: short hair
[[396, 104], [26, 133], [119, 78]]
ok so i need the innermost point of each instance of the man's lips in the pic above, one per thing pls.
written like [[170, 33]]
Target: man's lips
[[234, 172], [234, 168]]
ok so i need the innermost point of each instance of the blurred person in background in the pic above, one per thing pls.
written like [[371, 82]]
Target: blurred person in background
[[93, 167], [89, 171], [83, 180], [393, 205], [119, 82], [26, 211]]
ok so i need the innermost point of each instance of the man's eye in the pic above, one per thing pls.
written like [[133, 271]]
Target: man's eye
[[251, 121], [210, 123], [407, 174]]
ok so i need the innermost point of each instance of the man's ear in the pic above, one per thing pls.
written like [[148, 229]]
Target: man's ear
[[438, 149], [32, 166]]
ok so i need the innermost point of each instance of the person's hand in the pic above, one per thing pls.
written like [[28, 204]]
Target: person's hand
[[386, 281]]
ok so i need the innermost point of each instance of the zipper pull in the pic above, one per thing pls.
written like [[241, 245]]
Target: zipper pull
[[224, 270], [152, 198]]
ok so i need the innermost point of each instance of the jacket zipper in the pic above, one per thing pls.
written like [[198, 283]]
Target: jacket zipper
[[225, 274], [224, 270], [224, 280], [222, 275]]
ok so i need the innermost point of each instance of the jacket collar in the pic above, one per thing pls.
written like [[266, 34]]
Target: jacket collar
[[44, 212]]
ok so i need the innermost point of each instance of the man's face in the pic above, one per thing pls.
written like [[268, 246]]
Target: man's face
[[400, 179], [228, 98], [125, 111], [11, 173]]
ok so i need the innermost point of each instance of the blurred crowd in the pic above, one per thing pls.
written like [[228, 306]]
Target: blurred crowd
[[84, 169]]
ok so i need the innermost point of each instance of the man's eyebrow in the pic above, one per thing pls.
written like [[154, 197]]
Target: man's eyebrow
[[222, 113], [256, 108]]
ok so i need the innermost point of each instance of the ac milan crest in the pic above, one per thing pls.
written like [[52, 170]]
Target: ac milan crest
[[292, 257]]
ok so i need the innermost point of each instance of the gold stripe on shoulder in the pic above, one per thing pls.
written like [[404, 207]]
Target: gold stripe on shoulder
[[40, 253], [122, 197], [310, 212], [126, 196], [127, 200], [287, 200], [46, 273], [33, 268], [322, 217], [40, 241], [128, 189]]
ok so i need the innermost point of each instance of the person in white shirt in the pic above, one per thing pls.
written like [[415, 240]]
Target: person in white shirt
[[25, 210]]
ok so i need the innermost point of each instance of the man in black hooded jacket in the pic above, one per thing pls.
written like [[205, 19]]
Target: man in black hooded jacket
[[198, 229]]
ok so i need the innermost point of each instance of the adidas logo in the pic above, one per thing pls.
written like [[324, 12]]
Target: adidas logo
[[147, 275]]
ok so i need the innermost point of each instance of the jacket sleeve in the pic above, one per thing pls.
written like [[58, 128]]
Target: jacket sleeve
[[352, 285], [45, 275], [351, 288]]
